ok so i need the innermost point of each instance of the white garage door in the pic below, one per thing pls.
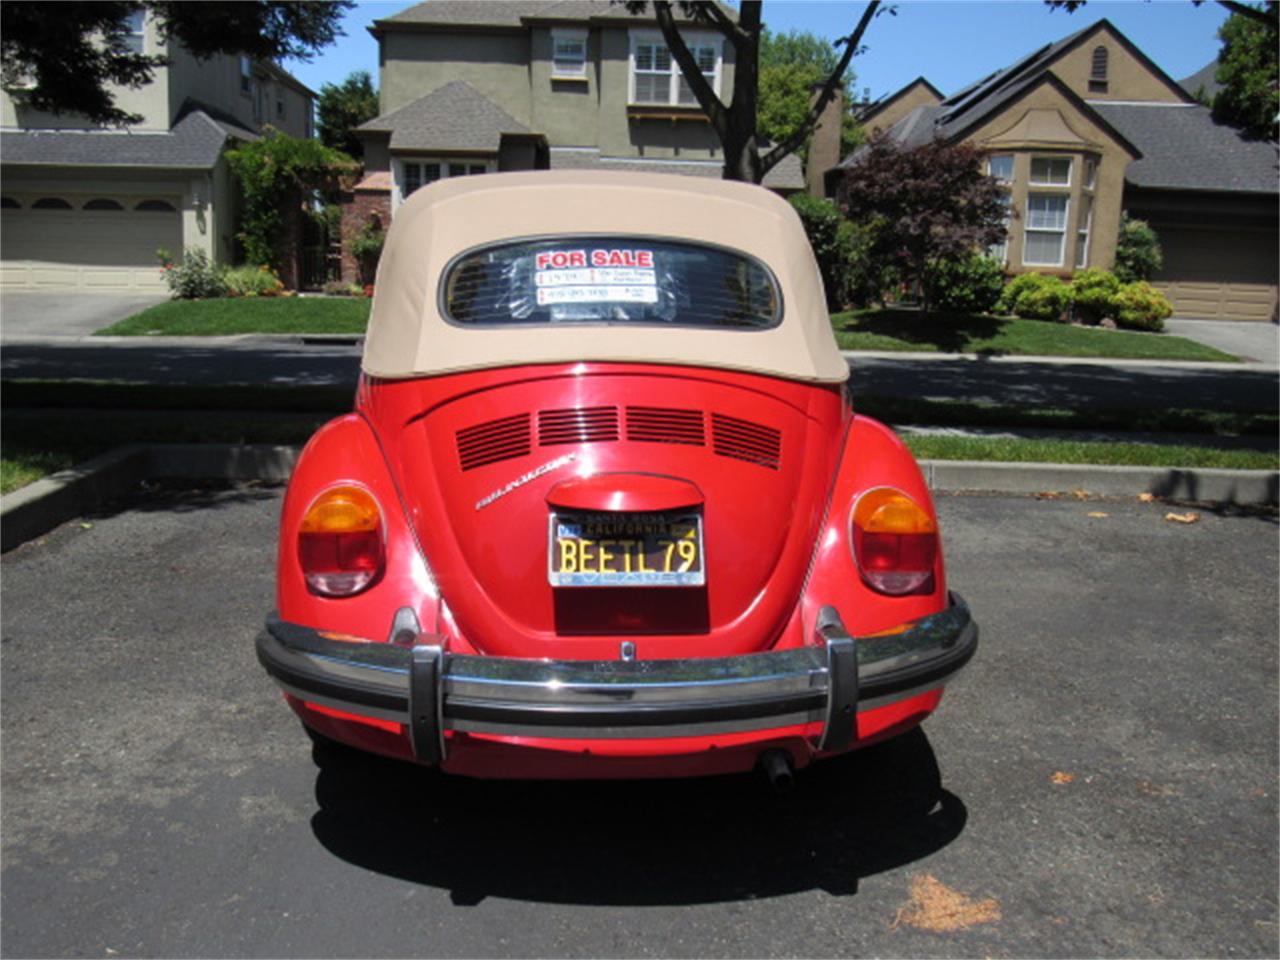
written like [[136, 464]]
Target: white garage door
[[76, 242]]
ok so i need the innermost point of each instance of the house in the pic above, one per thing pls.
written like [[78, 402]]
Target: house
[[84, 207], [1087, 127], [471, 87]]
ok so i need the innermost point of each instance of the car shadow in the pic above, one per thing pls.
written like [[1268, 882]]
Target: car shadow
[[641, 843]]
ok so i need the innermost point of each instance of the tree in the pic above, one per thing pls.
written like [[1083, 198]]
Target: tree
[[1265, 15], [736, 122], [792, 65], [278, 175], [343, 107], [64, 55], [1248, 71], [925, 205], [1138, 254]]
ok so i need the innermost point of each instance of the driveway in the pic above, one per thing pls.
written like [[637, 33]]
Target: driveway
[[1107, 768], [67, 314], [1251, 342]]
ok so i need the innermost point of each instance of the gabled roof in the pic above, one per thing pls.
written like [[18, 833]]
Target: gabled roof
[[196, 141], [865, 111], [1206, 77], [970, 105], [927, 123], [453, 117], [1183, 149], [514, 14]]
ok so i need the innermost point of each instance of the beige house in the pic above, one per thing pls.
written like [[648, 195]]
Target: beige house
[[86, 207], [1085, 128], [478, 87]]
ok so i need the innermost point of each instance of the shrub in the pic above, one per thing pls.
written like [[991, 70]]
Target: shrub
[[834, 242], [193, 279], [1141, 306], [971, 285], [1138, 255], [1035, 296], [1092, 294], [250, 281], [366, 246]]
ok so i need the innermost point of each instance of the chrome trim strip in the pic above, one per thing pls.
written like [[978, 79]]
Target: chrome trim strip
[[345, 706], [633, 733]]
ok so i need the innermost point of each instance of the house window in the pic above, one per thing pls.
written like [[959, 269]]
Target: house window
[[418, 173], [8, 203], [155, 206], [1000, 167], [656, 77], [1098, 75], [280, 105], [135, 37], [1000, 251], [1051, 171], [1046, 229], [1090, 172], [51, 203], [568, 54], [102, 204], [1082, 232], [246, 75]]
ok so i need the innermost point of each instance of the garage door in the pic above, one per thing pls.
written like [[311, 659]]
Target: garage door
[[65, 242], [1214, 274]]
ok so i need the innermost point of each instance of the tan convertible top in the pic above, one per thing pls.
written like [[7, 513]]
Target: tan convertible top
[[409, 338]]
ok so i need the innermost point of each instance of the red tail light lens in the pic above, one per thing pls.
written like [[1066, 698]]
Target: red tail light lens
[[895, 542], [340, 546]]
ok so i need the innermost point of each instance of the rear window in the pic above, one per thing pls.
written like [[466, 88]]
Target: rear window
[[620, 280]]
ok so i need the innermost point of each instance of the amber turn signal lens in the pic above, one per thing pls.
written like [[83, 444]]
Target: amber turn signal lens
[[895, 542], [340, 546]]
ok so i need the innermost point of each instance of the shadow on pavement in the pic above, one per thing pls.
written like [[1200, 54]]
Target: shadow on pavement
[[646, 842]]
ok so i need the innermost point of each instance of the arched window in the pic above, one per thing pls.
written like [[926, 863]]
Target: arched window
[[155, 206], [8, 203], [1098, 75], [51, 203], [102, 204]]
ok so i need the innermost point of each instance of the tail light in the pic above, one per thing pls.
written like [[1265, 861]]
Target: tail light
[[895, 542], [340, 546]]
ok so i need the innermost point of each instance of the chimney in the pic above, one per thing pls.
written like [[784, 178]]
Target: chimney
[[824, 145]]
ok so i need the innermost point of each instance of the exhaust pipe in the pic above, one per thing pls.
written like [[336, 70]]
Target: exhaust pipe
[[778, 770]]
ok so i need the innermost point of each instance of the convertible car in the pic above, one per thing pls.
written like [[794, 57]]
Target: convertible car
[[604, 507]]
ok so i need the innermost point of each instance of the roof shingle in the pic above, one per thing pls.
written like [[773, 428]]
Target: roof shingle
[[453, 117], [195, 141]]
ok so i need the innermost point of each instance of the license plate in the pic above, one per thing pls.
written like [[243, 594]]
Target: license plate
[[626, 550]]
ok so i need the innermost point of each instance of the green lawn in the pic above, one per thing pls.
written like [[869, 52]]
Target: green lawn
[[210, 318], [910, 331], [1095, 452]]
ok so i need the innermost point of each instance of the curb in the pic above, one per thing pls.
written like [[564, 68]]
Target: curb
[[39, 507]]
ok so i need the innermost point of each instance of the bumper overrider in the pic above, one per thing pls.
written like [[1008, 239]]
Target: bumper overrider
[[431, 690]]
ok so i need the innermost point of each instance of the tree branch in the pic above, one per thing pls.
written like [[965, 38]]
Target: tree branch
[[852, 43], [1267, 17], [707, 99], [722, 21]]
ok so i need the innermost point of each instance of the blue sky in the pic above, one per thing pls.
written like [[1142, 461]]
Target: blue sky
[[951, 42]]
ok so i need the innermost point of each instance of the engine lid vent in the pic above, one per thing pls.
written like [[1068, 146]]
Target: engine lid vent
[[665, 425], [494, 440], [744, 440], [577, 425]]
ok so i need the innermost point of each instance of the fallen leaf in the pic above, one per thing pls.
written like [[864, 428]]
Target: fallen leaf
[[1080, 494], [1097, 513], [1146, 497], [1060, 777], [86, 526], [1048, 495], [939, 909], [1182, 517]]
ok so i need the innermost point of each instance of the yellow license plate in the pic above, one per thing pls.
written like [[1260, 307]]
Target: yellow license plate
[[626, 550]]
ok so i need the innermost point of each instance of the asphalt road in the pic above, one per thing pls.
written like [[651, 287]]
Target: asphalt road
[[1108, 768], [1008, 381]]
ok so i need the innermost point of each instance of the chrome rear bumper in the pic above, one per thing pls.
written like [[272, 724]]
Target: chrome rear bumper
[[430, 690]]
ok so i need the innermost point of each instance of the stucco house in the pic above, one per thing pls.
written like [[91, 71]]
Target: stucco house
[[1087, 127], [471, 87], [85, 207]]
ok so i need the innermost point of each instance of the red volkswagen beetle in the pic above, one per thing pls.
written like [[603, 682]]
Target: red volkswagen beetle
[[603, 508]]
